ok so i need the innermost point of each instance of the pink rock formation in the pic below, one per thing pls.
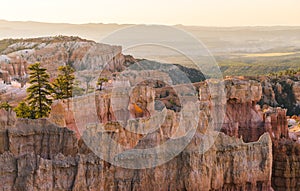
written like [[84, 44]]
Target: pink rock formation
[[7, 118], [41, 156], [279, 123]]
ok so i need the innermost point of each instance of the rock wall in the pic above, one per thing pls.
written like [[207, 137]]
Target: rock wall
[[36, 155], [243, 118], [286, 166], [282, 92], [7, 118]]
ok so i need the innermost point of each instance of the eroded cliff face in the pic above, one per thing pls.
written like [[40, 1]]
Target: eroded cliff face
[[52, 52], [37, 155], [282, 92], [243, 117], [286, 165], [42, 156]]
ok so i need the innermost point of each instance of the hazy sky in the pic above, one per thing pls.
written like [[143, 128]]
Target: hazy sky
[[187, 12]]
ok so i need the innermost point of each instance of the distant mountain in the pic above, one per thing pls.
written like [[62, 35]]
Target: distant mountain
[[217, 39], [238, 50]]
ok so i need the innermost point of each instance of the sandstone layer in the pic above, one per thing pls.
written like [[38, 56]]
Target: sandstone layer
[[37, 155]]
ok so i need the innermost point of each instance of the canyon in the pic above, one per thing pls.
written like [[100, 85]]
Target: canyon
[[252, 151], [229, 141]]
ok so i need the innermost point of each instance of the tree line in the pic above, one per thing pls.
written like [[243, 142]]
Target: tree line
[[41, 92]]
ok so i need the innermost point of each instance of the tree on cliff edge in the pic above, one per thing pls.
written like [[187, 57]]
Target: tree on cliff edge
[[38, 98], [23, 110], [64, 83], [100, 82]]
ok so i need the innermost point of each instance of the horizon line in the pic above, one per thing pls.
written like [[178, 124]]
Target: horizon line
[[103, 23]]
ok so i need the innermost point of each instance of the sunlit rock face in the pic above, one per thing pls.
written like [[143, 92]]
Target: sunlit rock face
[[52, 52], [37, 155], [243, 120], [59, 153]]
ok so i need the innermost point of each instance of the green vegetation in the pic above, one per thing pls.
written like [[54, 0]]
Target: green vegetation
[[41, 92], [258, 66], [100, 82], [5, 105], [39, 100], [6, 42], [23, 110], [242, 64], [288, 72], [64, 83]]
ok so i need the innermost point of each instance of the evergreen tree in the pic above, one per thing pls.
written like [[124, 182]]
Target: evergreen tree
[[5, 106], [100, 82], [39, 91], [64, 83], [23, 110]]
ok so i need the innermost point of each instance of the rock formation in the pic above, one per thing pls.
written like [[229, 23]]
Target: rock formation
[[286, 165], [36, 155], [281, 92], [59, 153], [43, 156]]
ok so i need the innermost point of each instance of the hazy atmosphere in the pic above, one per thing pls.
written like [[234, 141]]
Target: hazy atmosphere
[[195, 95], [190, 12]]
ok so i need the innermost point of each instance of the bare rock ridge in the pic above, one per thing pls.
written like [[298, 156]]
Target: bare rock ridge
[[60, 50], [56, 51]]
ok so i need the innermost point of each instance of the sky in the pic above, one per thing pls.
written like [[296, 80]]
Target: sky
[[169, 12]]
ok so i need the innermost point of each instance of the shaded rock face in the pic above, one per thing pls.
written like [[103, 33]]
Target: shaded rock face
[[279, 125], [37, 155], [282, 92], [286, 165], [286, 152], [296, 91], [7, 118], [28, 149], [243, 119]]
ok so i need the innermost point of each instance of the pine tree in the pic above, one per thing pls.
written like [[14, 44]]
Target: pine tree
[[64, 83], [39, 91], [5, 106], [23, 110], [100, 82]]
